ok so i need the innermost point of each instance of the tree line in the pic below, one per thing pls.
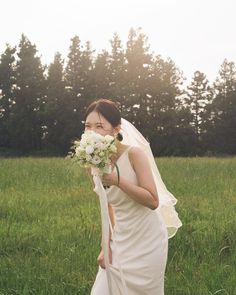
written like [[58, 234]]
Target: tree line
[[42, 106]]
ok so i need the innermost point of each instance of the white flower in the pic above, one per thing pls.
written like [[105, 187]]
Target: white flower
[[101, 154], [80, 152], [97, 145], [96, 136], [89, 149], [106, 145], [102, 146], [88, 158], [95, 150], [96, 160], [109, 138], [85, 135], [113, 149]]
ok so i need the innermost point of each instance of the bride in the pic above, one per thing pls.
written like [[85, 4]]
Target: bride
[[141, 211]]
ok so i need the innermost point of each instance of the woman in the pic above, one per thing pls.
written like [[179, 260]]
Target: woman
[[139, 239]]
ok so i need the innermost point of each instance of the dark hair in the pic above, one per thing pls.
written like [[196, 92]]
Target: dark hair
[[109, 110]]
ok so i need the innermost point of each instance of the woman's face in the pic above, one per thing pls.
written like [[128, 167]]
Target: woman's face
[[97, 123]]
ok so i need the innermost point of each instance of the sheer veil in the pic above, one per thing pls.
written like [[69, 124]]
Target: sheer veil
[[132, 137]]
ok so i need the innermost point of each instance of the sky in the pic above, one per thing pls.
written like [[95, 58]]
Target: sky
[[195, 34]]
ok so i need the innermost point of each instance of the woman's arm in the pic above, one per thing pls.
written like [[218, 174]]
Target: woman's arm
[[145, 192], [111, 214]]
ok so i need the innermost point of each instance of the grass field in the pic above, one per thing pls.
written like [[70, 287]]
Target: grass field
[[50, 227]]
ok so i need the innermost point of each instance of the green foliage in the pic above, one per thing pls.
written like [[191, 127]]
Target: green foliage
[[7, 81], [42, 109], [50, 227], [25, 118], [223, 110], [57, 108]]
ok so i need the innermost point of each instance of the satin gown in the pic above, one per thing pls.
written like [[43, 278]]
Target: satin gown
[[141, 243]]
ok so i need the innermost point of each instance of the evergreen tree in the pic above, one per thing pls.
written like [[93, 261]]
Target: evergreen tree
[[26, 117], [73, 72], [223, 111], [56, 109], [199, 96], [165, 107], [139, 60], [101, 76], [36, 110], [79, 75], [86, 79], [7, 100], [117, 73]]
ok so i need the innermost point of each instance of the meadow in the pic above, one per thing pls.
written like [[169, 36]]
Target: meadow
[[50, 229]]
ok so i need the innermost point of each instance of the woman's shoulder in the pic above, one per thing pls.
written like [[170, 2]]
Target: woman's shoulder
[[136, 153]]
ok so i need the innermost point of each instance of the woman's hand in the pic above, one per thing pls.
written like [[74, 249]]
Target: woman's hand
[[110, 179], [101, 260]]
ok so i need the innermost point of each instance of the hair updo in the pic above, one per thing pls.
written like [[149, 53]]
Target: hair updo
[[109, 110]]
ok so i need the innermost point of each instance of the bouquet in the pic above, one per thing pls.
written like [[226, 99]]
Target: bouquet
[[94, 150]]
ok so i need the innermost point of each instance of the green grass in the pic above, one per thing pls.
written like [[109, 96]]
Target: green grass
[[50, 227]]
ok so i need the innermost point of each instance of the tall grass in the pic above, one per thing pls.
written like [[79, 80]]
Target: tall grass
[[50, 227]]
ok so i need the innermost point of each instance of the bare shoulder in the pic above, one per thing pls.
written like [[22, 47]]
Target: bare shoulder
[[136, 151], [140, 163], [136, 155]]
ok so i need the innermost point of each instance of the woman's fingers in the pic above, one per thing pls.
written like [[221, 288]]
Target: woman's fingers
[[101, 260], [109, 179]]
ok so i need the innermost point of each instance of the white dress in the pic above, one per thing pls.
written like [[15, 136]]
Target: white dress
[[141, 243]]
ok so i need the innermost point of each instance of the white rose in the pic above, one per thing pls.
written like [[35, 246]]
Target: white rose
[[103, 146], [98, 145], [85, 135], [89, 149], [96, 136], [83, 142], [89, 140], [88, 132]]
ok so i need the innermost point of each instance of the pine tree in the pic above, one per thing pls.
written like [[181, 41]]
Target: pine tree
[[7, 99], [223, 111], [27, 113], [165, 107], [87, 68], [56, 108], [117, 73], [101, 76], [199, 96], [79, 83], [139, 60]]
